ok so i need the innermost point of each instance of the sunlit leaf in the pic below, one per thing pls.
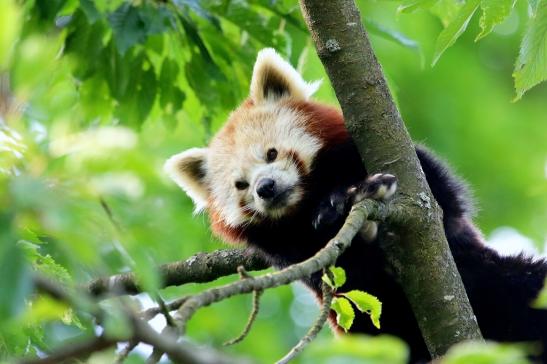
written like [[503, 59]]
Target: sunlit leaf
[[356, 349], [338, 277], [44, 264], [485, 353], [458, 25], [10, 25], [531, 66], [344, 312], [493, 13], [446, 10], [368, 303]]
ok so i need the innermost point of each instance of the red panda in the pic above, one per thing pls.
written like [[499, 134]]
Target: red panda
[[280, 177]]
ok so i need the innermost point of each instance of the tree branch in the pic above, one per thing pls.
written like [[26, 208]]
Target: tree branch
[[325, 257], [425, 267], [316, 327], [178, 351], [200, 268], [74, 351]]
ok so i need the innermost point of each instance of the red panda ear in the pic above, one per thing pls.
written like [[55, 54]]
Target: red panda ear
[[274, 78], [188, 171]]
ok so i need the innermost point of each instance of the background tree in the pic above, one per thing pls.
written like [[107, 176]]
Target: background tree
[[96, 94]]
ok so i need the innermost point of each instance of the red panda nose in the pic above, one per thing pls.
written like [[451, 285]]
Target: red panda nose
[[265, 188]]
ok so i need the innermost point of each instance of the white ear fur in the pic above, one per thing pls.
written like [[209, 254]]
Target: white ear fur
[[187, 169], [274, 78]]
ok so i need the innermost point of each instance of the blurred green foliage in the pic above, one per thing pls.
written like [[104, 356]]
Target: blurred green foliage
[[95, 95]]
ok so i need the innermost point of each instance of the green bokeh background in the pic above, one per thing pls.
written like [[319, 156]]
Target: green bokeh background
[[89, 114]]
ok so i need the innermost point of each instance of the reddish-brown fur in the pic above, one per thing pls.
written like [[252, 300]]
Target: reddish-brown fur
[[323, 121]]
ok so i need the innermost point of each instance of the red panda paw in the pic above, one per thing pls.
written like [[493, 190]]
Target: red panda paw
[[380, 186], [332, 211]]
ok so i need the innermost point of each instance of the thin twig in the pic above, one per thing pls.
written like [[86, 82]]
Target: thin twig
[[184, 352], [254, 313], [73, 351], [150, 313], [165, 311], [124, 353], [314, 330]]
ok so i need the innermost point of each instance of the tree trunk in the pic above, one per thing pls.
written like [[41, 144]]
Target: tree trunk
[[422, 258]]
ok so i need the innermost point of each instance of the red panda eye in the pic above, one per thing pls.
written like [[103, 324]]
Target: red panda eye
[[241, 185], [271, 155]]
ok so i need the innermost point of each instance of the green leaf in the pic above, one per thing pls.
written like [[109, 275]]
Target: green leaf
[[10, 25], [339, 276], [44, 264], [533, 6], [15, 280], [486, 353], [531, 66], [456, 27], [357, 349], [493, 13], [128, 27], [368, 303], [344, 312], [90, 11], [408, 6], [196, 7], [446, 10], [171, 97]]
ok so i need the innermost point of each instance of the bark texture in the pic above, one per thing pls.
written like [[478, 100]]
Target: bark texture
[[420, 255], [200, 268]]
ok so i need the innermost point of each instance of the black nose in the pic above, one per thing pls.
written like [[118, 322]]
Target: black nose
[[266, 188]]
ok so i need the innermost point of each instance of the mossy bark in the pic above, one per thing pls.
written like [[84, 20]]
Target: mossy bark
[[421, 255]]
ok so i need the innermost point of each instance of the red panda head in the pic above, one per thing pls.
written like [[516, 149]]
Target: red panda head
[[254, 166]]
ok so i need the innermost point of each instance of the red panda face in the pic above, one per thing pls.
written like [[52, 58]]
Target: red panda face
[[254, 167], [256, 163]]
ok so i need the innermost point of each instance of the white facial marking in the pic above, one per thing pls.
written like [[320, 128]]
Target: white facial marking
[[239, 153]]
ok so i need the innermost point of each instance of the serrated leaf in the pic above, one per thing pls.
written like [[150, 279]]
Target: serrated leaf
[[44, 264], [531, 66], [157, 19], [128, 27], [45, 308], [493, 13], [457, 26], [344, 312], [365, 302], [339, 276]]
